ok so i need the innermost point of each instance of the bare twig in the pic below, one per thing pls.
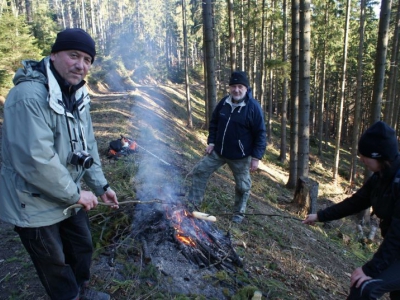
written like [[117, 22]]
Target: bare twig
[[2, 279], [111, 204]]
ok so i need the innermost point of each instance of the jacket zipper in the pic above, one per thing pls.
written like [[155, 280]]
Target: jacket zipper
[[241, 147], [223, 137]]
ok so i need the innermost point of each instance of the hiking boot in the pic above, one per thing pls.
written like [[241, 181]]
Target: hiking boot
[[237, 219], [372, 233], [360, 233], [90, 294]]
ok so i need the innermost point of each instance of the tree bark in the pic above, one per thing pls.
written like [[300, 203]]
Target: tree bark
[[209, 58], [282, 156], [305, 196], [185, 51], [380, 61], [294, 95], [304, 89], [232, 41], [342, 95], [389, 112], [357, 109]]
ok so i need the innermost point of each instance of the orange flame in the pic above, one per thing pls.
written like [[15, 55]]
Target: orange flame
[[179, 217]]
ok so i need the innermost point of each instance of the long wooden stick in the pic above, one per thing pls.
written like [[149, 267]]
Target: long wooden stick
[[65, 212], [260, 214]]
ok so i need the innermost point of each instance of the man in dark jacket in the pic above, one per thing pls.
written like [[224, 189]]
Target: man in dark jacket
[[237, 137], [48, 147], [378, 148]]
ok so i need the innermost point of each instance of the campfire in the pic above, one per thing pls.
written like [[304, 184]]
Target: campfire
[[198, 240], [201, 242]]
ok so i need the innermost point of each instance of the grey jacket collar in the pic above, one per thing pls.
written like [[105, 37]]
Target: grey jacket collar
[[55, 94]]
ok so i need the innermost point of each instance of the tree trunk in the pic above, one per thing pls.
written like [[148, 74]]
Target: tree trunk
[[185, 50], [209, 58], [253, 74], [342, 95], [262, 54], [321, 101], [282, 156], [242, 38], [380, 61], [304, 89], [83, 16], [305, 196], [294, 95], [93, 27], [232, 41], [248, 42], [271, 78], [389, 111], [28, 9], [313, 100], [357, 109]]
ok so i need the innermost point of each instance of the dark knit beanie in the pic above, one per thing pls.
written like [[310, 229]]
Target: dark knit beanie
[[379, 141], [239, 77], [75, 39]]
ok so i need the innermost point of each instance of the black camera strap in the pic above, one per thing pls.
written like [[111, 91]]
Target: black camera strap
[[69, 131], [79, 134], [73, 141]]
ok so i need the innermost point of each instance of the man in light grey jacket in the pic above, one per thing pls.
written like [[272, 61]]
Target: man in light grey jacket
[[48, 146]]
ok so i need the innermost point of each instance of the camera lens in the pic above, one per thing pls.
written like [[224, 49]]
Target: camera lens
[[85, 161]]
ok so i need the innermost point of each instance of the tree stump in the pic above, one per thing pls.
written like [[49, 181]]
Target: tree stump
[[305, 196]]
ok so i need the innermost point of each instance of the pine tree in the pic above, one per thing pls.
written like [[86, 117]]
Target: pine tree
[[16, 44]]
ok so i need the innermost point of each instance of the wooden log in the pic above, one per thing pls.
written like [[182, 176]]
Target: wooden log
[[145, 250], [305, 196]]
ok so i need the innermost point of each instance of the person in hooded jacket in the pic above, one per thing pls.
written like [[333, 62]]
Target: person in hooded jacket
[[48, 146], [236, 137], [378, 149]]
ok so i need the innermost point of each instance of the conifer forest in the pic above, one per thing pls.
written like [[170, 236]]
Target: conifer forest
[[326, 69]]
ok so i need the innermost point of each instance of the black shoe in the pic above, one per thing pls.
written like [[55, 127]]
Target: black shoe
[[89, 294]]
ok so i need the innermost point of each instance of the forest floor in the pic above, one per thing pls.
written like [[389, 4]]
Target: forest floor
[[285, 259]]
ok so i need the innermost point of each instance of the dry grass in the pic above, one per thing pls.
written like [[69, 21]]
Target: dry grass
[[283, 258]]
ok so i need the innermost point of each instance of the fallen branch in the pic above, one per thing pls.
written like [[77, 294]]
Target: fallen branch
[[2, 279]]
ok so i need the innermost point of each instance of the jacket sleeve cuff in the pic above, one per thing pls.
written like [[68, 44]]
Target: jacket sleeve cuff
[[320, 216], [76, 198], [100, 190], [367, 270]]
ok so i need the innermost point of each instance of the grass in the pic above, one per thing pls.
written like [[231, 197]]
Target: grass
[[281, 256], [276, 249]]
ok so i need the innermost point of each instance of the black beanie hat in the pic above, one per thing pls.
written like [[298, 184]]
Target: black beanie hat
[[74, 39], [239, 77], [379, 141]]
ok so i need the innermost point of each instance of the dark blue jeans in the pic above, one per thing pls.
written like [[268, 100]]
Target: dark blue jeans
[[387, 282], [61, 254]]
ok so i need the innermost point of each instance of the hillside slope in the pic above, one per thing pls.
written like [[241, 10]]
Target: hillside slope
[[282, 257], [286, 259]]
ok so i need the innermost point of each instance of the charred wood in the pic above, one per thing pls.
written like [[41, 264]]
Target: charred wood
[[145, 251]]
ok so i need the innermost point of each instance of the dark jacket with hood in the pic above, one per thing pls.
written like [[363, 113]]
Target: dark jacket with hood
[[384, 196], [238, 131]]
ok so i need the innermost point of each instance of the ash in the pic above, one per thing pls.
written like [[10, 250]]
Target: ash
[[181, 273]]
